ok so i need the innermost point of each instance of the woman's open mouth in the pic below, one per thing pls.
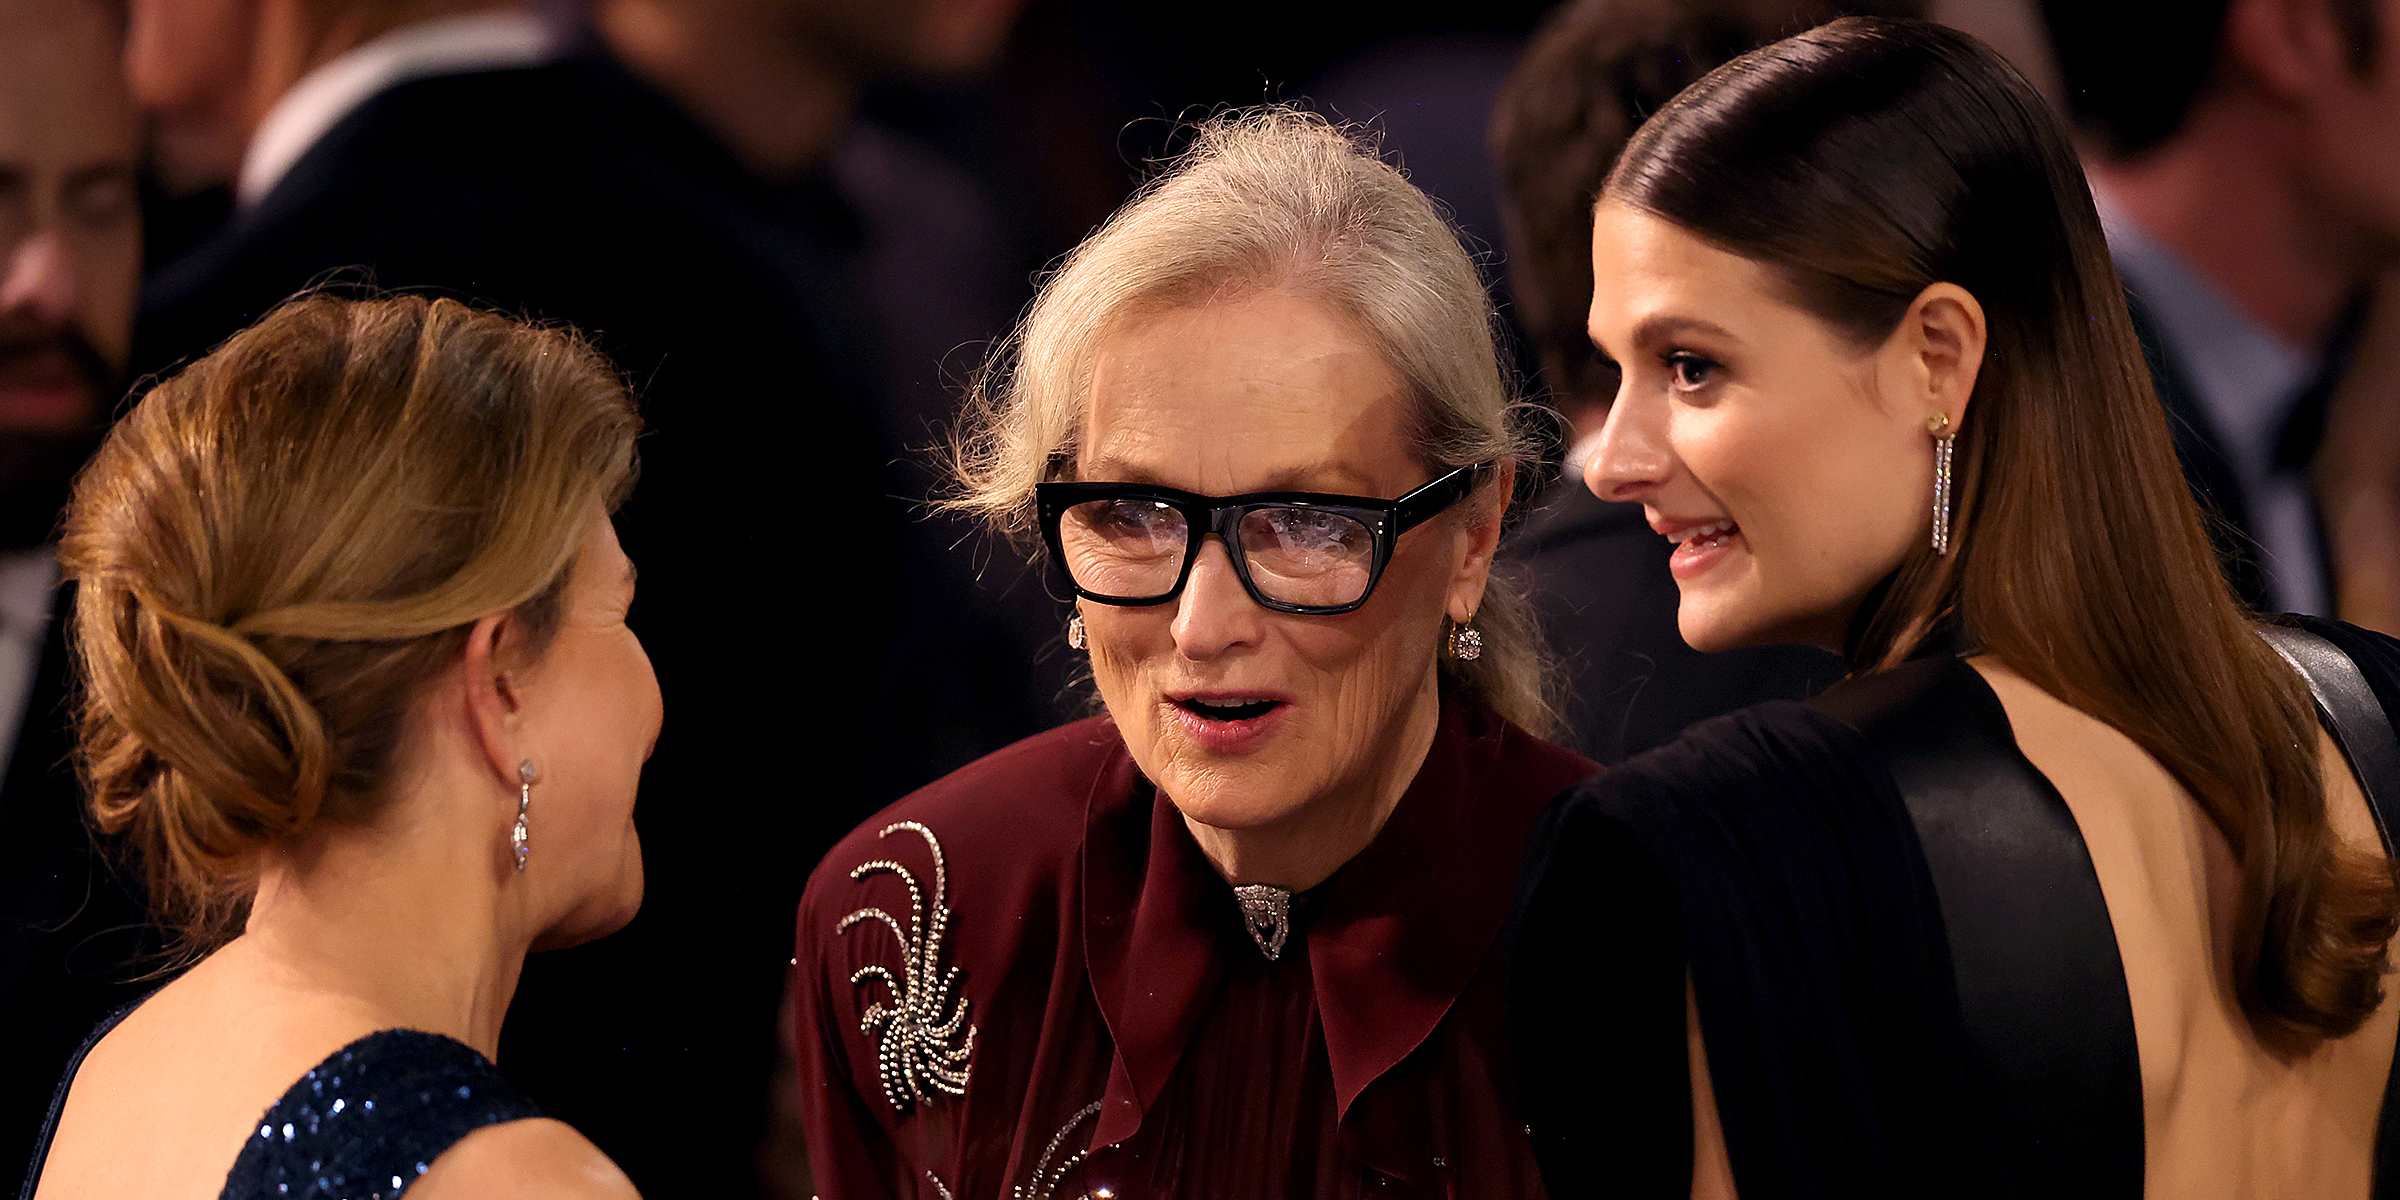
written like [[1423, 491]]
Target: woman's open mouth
[[1227, 722], [1227, 710], [1702, 548]]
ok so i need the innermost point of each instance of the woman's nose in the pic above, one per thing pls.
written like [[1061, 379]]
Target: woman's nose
[[1215, 613], [1632, 457]]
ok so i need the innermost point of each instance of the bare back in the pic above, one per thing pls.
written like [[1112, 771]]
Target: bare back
[[195, 1065], [193, 1068], [2222, 1115]]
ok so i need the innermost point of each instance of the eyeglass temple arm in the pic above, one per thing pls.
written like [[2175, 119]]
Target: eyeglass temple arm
[[1417, 507]]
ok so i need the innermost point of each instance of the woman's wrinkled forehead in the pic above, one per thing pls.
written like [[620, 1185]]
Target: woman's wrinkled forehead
[[1270, 391]]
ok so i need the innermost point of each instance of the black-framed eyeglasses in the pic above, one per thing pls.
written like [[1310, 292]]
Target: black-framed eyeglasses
[[1296, 552]]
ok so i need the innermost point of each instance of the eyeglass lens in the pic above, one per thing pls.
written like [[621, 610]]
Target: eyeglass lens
[[1134, 548]]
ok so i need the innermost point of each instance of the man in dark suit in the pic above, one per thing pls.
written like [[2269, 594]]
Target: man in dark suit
[[1599, 573], [70, 251], [2246, 157], [685, 222]]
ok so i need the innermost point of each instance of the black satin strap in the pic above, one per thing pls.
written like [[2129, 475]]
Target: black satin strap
[[2040, 983], [2351, 713], [2347, 706]]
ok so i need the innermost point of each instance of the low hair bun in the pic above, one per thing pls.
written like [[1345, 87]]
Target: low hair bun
[[224, 748], [278, 548]]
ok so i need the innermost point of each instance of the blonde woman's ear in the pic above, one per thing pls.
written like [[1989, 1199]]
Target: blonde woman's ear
[[492, 699]]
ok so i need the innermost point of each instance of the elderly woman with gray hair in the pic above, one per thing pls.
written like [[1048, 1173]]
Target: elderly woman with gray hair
[[1238, 936]]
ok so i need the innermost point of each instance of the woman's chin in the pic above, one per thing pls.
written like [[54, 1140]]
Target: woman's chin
[[1708, 630], [1712, 628], [582, 928], [598, 916], [1242, 797]]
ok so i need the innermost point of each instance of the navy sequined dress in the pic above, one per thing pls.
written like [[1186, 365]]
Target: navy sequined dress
[[361, 1125]]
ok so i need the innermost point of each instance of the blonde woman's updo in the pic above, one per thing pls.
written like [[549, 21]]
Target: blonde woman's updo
[[1272, 198], [280, 545]]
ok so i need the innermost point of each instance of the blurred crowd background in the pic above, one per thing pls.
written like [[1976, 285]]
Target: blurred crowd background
[[799, 225]]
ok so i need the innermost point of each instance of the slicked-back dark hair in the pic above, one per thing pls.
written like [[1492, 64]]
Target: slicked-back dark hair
[[1868, 160]]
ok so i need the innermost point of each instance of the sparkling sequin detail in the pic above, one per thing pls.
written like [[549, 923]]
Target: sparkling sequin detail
[[371, 1118], [1046, 1178], [1267, 911], [924, 1045]]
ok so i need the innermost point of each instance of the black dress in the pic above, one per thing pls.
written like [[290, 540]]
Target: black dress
[[361, 1125], [1895, 944]]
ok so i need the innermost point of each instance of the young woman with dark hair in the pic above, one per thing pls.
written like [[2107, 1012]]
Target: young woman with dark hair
[[2064, 892]]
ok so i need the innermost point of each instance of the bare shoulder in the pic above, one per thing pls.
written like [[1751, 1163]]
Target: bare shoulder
[[2078, 750], [2028, 704], [536, 1159]]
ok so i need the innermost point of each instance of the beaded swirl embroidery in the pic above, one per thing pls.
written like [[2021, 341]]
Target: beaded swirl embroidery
[[1046, 1179], [924, 1046]]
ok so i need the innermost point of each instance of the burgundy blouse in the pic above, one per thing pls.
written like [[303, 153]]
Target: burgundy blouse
[[1024, 982]]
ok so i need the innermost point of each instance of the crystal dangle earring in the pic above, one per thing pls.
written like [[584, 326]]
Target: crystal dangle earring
[[1466, 643], [1939, 426], [517, 842], [1076, 637]]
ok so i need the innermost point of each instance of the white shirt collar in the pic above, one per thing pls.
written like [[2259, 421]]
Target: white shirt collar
[[443, 46]]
